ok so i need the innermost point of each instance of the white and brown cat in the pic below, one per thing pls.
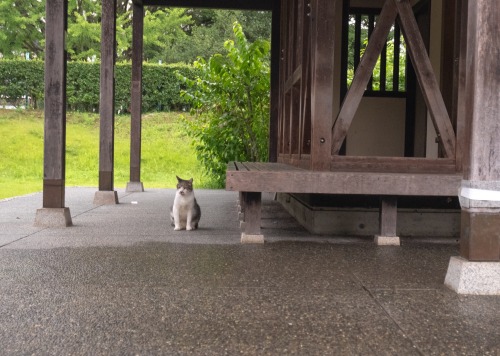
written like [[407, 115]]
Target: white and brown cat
[[185, 213]]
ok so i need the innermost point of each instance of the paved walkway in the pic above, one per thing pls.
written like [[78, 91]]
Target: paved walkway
[[122, 282]]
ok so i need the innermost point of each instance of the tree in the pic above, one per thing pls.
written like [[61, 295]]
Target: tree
[[210, 28], [163, 28], [230, 100], [22, 28], [170, 34], [84, 30]]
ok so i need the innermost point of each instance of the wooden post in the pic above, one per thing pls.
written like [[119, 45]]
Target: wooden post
[[251, 202], [275, 81], [106, 195], [477, 269], [480, 192], [54, 212], [322, 85], [135, 184], [388, 217], [459, 95]]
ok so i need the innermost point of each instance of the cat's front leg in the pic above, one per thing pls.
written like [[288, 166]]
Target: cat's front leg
[[177, 219], [188, 220]]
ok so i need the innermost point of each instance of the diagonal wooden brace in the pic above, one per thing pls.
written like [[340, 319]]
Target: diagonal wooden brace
[[363, 73]]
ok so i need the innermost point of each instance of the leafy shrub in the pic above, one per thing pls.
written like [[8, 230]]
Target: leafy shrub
[[160, 86], [21, 79], [230, 100]]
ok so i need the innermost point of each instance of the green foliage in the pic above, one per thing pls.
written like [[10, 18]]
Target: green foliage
[[161, 87], [84, 38], [230, 99], [19, 79], [171, 35], [162, 31], [211, 28], [389, 68], [22, 27], [376, 82]]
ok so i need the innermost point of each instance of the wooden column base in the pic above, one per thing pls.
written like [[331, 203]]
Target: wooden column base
[[53, 193], [480, 236]]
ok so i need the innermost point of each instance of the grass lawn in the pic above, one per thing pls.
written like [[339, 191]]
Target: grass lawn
[[166, 152]]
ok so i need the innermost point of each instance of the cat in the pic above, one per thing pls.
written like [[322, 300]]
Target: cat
[[185, 213]]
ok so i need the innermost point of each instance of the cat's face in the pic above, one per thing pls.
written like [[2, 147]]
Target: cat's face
[[184, 186]]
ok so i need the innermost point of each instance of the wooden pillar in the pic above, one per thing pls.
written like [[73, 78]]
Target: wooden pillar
[[480, 193], [54, 212], [275, 80], [135, 184], [459, 95], [388, 217], [251, 206], [322, 86], [106, 195]]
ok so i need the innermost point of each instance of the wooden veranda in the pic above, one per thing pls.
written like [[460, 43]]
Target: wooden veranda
[[450, 126]]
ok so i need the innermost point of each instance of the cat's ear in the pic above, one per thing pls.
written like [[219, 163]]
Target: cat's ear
[[178, 179], [191, 180]]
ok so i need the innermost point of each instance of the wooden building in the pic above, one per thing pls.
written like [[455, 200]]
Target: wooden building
[[424, 123]]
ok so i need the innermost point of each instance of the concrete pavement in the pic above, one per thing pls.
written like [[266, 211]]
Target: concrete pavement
[[122, 282]]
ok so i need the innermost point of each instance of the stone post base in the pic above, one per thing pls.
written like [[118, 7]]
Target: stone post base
[[53, 217], [387, 240], [479, 278], [252, 239], [134, 187], [105, 197]]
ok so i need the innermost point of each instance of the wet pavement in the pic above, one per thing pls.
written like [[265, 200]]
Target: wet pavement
[[122, 282]]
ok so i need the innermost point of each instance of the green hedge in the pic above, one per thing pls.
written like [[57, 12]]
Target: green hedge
[[160, 90]]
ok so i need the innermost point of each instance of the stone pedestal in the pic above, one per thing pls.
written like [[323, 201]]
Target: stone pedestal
[[387, 240], [479, 278], [105, 197], [53, 217], [133, 187]]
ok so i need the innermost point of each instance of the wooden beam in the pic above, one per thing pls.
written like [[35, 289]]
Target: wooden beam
[[322, 85], [286, 179], [426, 77], [136, 98], [393, 164], [362, 76], [54, 166], [107, 95]]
